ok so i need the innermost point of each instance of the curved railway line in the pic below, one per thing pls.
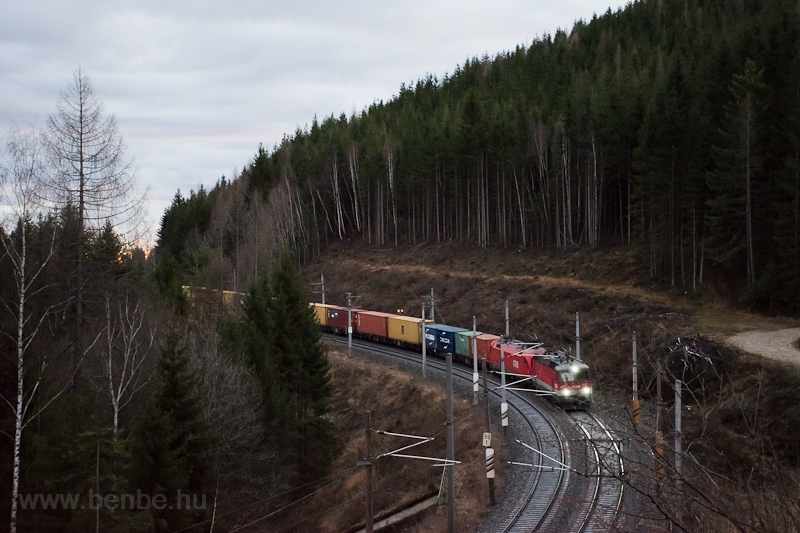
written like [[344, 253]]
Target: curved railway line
[[592, 492], [606, 469]]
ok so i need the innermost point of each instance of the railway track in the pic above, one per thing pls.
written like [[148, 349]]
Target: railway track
[[539, 507], [606, 470]]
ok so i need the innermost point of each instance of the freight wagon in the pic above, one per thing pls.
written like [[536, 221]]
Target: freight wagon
[[441, 339], [321, 313], [406, 331], [464, 345], [564, 379], [336, 319], [372, 325]]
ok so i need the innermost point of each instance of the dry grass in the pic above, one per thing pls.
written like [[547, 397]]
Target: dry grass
[[611, 289], [401, 403]]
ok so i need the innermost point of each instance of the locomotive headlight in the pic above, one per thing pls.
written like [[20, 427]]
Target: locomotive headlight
[[586, 391], [575, 369], [566, 392]]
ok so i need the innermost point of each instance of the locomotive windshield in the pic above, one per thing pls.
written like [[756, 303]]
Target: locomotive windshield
[[581, 375]]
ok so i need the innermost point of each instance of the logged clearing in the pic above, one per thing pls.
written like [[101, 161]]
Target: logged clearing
[[610, 288]]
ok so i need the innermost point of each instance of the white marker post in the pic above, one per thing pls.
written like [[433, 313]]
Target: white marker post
[[424, 340], [490, 472], [349, 325], [504, 403]]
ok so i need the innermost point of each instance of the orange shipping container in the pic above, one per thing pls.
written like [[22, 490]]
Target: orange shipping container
[[485, 345]]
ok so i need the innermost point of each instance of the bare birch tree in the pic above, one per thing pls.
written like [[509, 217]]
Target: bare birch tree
[[128, 343], [352, 163], [391, 161], [521, 208], [337, 196], [93, 173], [21, 175]]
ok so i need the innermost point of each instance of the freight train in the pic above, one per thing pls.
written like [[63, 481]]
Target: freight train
[[561, 377]]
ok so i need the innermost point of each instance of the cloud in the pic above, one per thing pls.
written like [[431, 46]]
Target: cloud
[[196, 86]]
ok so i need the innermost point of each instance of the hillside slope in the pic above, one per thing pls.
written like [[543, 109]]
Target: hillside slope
[[684, 334]]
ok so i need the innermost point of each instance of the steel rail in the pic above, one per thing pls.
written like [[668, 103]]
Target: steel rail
[[608, 468], [533, 506]]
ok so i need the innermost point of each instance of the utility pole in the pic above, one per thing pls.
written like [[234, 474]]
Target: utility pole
[[577, 337], [635, 403], [659, 455], [448, 463], [97, 511], [424, 341], [626, 441], [367, 463], [349, 324], [503, 403], [507, 331], [486, 396], [474, 361], [433, 308], [322, 287], [451, 489], [352, 300], [678, 443]]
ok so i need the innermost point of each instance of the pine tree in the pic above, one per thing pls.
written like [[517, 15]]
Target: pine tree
[[282, 342], [732, 205], [304, 368], [255, 338], [170, 448]]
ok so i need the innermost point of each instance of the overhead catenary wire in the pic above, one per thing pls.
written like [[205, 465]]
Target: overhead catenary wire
[[383, 484], [257, 520], [386, 483], [338, 474]]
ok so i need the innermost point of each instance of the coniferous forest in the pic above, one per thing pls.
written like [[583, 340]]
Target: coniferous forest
[[668, 125]]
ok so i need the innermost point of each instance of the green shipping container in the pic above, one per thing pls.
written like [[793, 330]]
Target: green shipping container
[[464, 345]]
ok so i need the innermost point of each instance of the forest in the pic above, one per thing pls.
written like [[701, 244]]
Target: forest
[[667, 127], [670, 126], [126, 407]]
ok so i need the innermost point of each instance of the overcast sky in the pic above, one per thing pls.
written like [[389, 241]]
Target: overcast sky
[[196, 86]]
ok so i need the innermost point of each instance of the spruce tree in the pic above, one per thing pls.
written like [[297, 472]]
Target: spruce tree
[[732, 206], [170, 449], [304, 368], [281, 340]]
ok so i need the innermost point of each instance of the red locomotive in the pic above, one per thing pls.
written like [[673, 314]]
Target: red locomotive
[[565, 379]]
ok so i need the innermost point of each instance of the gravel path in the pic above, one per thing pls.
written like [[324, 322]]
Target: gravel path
[[778, 345]]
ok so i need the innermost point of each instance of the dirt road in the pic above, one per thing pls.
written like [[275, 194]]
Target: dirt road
[[778, 345]]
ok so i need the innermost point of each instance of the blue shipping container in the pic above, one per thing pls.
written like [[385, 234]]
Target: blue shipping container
[[441, 338]]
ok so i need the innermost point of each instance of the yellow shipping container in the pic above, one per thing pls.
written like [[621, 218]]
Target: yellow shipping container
[[406, 329], [319, 309]]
